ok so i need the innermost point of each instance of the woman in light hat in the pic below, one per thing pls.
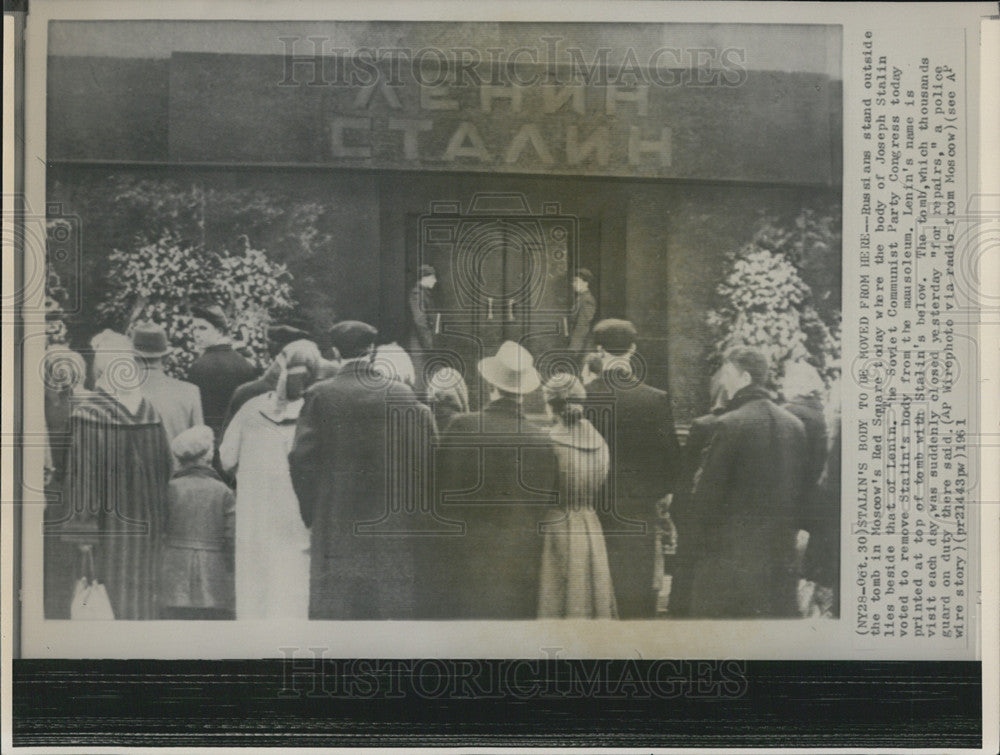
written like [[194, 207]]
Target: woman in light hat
[[392, 361], [447, 395], [272, 543], [575, 581]]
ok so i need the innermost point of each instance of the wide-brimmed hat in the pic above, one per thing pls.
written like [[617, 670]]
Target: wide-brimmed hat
[[426, 270], [511, 369], [150, 340]]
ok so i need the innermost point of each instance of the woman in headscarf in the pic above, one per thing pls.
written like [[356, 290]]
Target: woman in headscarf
[[272, 543], [392, 361], [269, 380], [447, 395], [117, 473], [575, 581]]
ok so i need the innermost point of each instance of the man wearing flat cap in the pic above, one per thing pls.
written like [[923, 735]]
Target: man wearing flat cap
[[497, 478], [176, 401], [219, 371], [637, 422], [340, 464]]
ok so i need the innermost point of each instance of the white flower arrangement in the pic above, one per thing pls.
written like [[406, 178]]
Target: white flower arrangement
[[764, 302], [161, 279]]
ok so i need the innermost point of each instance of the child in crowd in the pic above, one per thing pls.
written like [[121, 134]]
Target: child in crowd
[[196, 570]]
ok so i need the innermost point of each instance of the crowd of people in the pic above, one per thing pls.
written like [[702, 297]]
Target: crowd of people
[[355, 486]]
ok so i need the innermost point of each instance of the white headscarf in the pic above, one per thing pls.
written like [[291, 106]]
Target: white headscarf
[[116, 371], [392, 361]]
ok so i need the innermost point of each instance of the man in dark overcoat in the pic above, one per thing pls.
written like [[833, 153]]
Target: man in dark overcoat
[[802, 388], [822, 564], [497, 484], [693, 456], [358, 436], [220, 370], [637, 422], [744, 500]]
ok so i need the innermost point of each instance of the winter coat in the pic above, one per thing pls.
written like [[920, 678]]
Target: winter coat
[[637, 422], [177, 402], [196, 567], [809, 411], [579, 325], [575, 578], [361, 489], [743, 511], [218, 372], [496, 484]]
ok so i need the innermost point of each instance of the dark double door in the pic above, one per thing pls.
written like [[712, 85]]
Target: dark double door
[[505, 250]]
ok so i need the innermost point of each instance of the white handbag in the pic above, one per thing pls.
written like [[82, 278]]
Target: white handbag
[[90, 598]]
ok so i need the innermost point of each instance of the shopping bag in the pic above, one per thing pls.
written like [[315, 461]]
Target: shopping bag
[[90, 597], [90, 601]]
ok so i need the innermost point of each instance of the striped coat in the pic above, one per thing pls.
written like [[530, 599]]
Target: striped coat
[[116, 487]]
